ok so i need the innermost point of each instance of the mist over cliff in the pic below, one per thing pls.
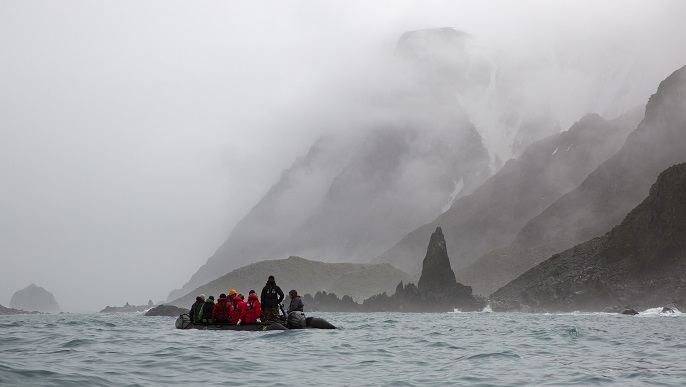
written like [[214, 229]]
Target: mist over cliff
[[448, 110]]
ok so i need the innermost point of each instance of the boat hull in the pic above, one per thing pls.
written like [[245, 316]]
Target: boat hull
[[184, 322]]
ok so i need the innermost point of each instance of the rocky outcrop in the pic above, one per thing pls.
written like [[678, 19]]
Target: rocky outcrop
[[641, 262], [629, 312], [437, 290], [438, 278], [35, 298], [4, 311], [327, 302], [126, 308], [166, 310], [494, 213]]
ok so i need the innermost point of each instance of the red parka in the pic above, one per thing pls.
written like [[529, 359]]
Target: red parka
[[238, 312], [253, 310], [222, 309]]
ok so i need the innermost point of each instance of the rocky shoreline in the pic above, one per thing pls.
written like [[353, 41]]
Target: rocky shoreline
[[5, 311]]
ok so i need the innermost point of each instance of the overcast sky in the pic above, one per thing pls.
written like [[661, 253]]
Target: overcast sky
[[134, 135]]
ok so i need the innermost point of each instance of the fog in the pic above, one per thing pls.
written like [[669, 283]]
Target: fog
[[133, 136]]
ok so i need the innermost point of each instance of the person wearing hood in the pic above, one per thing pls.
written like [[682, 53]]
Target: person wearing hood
[[205, 315], [195, 309], [271, 297], [238, 312], [222, 310], [296, 304], [253, 309]]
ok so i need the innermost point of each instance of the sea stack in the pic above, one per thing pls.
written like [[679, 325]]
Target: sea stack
[[437, 284], [35, 298], [437, 278]]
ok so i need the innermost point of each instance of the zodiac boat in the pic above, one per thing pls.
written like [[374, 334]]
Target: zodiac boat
[[184, 322]]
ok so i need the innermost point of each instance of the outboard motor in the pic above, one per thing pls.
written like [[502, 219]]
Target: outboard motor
[[183, 321], [296, 320]]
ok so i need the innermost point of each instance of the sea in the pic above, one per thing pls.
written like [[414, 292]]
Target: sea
[[366, 349]]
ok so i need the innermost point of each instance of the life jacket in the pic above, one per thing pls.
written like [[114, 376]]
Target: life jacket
[[253, 310], [222, 310], [300, 305], [238, 312]]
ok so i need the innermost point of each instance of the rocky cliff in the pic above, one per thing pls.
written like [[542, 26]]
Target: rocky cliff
[[494, 213], [34, 298], [603, 198], [619, 184], [641, 262], [443, 115]]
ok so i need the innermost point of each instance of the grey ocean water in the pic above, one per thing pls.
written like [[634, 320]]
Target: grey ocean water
[[501, 349]]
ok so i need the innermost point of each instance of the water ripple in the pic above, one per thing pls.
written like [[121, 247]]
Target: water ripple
[[371, 349]]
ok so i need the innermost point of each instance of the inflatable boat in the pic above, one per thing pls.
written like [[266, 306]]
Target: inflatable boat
[[184, 322]]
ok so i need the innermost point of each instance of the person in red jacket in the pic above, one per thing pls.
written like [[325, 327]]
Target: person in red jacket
[[238, 313], [253, 311], [222, 310]]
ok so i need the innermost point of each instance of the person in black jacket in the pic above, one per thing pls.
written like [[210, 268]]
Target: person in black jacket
[[195, 308], [270, 299]]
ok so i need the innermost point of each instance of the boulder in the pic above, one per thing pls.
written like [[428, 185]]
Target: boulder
[[630, 312], [166, 310]]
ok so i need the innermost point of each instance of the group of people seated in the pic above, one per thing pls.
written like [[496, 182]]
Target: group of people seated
[[232, 309]]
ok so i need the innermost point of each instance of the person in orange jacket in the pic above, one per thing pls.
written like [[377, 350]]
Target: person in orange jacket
[[239, 309], [253, 309]]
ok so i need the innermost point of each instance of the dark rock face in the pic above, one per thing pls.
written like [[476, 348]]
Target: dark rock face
[[35, 298], [437, 276], [630, 312], [642, 261], [166, 310], [491, 216], [437, 290], [437, 284]]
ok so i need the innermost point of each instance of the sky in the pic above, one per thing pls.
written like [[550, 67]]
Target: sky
[[134, 135]]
